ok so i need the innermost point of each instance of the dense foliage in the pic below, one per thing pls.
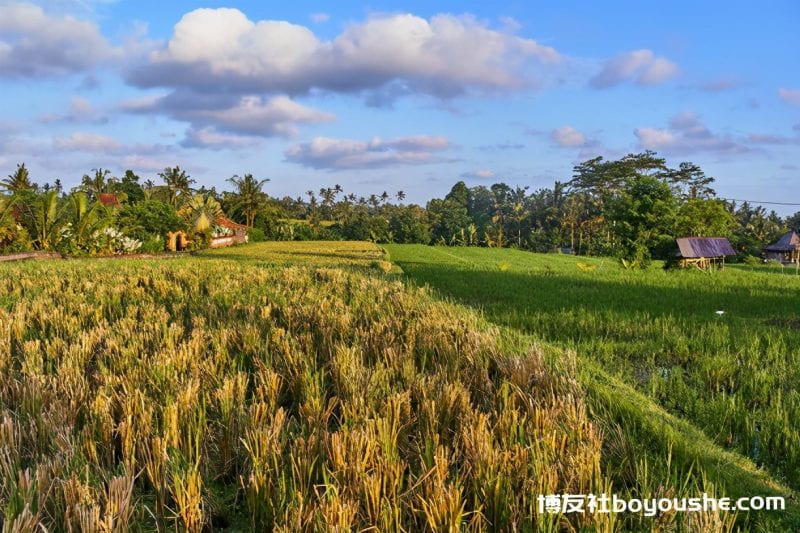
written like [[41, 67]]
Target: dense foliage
[[632, 208]]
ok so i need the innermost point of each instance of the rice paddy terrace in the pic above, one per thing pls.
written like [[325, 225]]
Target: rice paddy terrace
[[309, 386]]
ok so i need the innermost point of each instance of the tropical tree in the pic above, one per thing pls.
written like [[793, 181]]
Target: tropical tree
[[179, 184], [200, 212], [13, 237], [249, 197], [45, 216], [18, 181], [86, 218], [98, 183]]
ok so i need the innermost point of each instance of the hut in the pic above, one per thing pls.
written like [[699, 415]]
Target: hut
[[786, 249], [227, 233], [704, 252]]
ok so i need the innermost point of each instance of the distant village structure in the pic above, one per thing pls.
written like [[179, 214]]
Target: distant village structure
[[786, 249], [230, 233], [704, 252]]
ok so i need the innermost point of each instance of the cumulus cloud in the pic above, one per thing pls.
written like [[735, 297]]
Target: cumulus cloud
[[686, 134], [245, 115], [642, 67], [790, 96], [86, 142], [34, 44], [224, 51], [340, 154], [568, 136], [208, 137]]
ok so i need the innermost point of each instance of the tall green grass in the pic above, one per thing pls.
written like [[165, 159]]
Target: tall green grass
[[735, 375]]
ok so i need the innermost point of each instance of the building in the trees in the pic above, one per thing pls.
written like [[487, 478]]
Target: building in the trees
[[227, 233]]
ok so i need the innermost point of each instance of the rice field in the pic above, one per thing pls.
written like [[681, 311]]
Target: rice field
[[720, 350], [208, 393], [307, 387]]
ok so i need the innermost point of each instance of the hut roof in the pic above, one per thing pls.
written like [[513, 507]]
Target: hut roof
[[787, 243], [695, 247], [225, 222], [107, 198]]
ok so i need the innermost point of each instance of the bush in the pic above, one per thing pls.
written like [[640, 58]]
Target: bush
[[751, 260], [153, 245], [256, 235]]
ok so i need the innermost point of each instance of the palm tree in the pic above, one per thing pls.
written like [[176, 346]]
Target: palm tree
[[99, 183], [18, 181], [249, 199], [200, 212], [400, 195], [178, 184], [86, 220], [46, 217]]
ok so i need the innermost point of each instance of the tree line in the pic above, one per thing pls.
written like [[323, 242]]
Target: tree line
[[632, 208]]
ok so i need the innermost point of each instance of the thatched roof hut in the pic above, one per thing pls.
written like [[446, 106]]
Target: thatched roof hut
[[786, 249], [703, 252]]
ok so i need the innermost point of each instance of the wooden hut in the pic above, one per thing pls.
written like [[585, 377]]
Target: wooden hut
[[786, 249], [704, 252]]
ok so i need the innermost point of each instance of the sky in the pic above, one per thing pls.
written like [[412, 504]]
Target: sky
[[412, 96]]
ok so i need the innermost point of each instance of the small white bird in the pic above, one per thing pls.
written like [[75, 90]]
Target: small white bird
[[720, 312]]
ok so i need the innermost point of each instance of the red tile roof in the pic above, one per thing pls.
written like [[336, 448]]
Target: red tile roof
[[225, 222], [107, 198]]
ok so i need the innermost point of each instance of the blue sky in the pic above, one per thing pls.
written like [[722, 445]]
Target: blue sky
[[408, 96]]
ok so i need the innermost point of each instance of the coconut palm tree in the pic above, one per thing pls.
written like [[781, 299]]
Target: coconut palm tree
[[178, 184], [248, 199], [99, 183], [18, 181]]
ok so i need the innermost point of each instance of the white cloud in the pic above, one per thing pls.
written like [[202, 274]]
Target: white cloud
[[222, 50], [686, 134], [568, 136], [35, 44], [642, 67], [208, 137], [339, 154], [86, 142], [320, 18], [247, 115], [790, 96]]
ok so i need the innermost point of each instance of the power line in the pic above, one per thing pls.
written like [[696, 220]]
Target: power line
[[757, 202]]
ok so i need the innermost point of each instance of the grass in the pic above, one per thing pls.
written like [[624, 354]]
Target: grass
[[658, 361]]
